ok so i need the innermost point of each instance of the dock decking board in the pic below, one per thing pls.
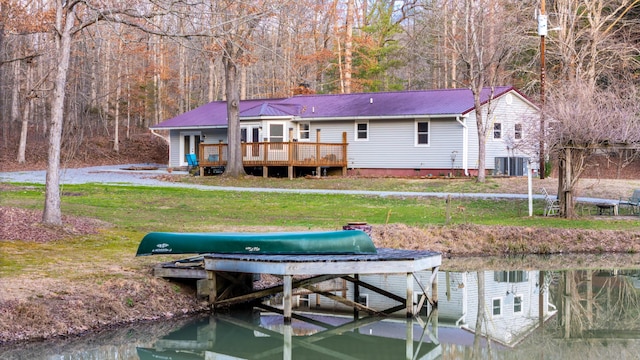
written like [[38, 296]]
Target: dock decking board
[[386, 261]]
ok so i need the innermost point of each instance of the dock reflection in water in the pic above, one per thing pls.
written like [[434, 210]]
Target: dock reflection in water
[[265, 336]]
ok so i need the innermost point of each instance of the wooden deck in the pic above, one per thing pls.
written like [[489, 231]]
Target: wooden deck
[[294, 154]]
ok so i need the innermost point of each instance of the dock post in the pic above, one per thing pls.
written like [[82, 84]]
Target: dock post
[[213, 287], [287, 290], [409, 340], [434, 286], [409, 300], [356, 296], [287, 352]]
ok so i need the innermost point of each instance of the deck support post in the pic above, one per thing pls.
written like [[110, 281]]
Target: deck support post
[[290, 172], [287, 289], [409, 300]]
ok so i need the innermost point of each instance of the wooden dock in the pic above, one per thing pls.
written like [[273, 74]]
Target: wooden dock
[[228, 278]]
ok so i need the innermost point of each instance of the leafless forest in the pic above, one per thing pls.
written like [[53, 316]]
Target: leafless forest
[[135, 63]]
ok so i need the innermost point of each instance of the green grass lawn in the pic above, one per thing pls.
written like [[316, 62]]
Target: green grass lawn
[[134, 211], [174, 209]]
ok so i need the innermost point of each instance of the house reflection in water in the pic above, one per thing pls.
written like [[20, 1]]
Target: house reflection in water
[[513, 303]]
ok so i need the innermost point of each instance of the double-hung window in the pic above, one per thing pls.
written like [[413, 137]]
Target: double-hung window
[[517, 131], [362, 131], [497, 131], [496, 307], [305, 131], [422, 133], [517, 304]]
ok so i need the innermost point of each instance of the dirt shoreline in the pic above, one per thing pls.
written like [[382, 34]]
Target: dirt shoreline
[[37, 309]]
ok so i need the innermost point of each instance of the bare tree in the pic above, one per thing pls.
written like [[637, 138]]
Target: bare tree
[[488, 34], [586, 121], [592, 40]]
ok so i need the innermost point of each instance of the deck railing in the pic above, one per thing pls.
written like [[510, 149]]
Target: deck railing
[[296, 154]]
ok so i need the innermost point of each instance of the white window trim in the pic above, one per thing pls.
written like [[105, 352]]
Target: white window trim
[[493, 131], [182, 154], [366, 299], [300, 131], [355, 130], [415, 133], [521, 303], [501, 307], [521, 131], [284, 129]]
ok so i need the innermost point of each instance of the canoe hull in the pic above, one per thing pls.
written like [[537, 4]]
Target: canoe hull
[[327, 242]]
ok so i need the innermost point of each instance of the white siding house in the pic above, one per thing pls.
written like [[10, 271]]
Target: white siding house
[[424, 133]]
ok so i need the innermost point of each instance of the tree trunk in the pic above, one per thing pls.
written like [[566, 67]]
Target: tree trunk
[[482, 137], [348, 44], [480, 317], [212, 85], [234, 167], [52, 214], [566, 186], [26, 114], [15, 93], [116, 117]]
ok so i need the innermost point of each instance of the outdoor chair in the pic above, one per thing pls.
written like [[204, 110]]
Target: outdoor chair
[[192, 162], [632, 202], [552, 206]]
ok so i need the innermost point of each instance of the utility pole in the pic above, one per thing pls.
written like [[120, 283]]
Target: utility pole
[[542, 31]]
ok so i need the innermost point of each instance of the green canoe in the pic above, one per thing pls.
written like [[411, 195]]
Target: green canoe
[[327, 242]]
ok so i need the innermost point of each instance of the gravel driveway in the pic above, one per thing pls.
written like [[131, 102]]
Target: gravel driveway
[[130, 174]]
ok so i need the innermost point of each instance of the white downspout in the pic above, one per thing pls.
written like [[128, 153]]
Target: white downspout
[[160, 136], [168, 141], [465, 143], [465, 298]]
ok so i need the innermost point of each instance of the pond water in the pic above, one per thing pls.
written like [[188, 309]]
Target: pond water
[[486, 314]]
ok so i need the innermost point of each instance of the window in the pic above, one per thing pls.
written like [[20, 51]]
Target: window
[[422, 133], [304, 130], [497, 131], [362, 131], [517, 304], [510, 276], [363, 299], [517, 131], [304, 300], [496, 307], [276, 135]]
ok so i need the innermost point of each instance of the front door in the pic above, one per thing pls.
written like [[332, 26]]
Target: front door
[[251, 135], [190, 144]]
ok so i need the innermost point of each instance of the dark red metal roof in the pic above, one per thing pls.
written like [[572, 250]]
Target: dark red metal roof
[[371, 105]]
